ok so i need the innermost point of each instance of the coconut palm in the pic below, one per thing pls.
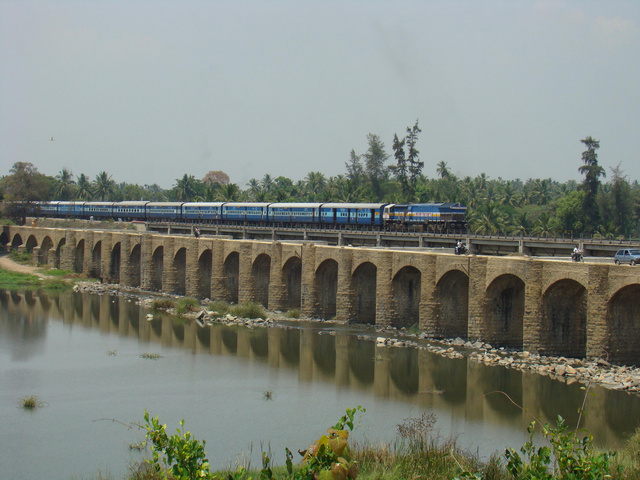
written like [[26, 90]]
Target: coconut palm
[[104, 186], [488, 219], [84, 191], [443, 170], [186, 188], [229, 193], [64, 186]]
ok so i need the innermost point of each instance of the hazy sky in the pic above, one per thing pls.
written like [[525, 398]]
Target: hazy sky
[[151, 90]]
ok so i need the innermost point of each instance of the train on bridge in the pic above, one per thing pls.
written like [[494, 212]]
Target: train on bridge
[[428, 217]]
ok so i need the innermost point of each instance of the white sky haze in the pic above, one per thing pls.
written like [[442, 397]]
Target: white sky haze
[[151, 90]]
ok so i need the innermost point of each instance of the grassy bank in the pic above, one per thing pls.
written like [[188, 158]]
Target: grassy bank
[[23, 281]]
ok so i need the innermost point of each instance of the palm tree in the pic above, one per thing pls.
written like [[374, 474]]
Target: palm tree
[[229, 193], [488, 219], [84, 191], [545, 226], [519, 224], [103, 186], [316, 184], [443, 170], [64, 186], [186, 188], [267, 183], [255, 189]]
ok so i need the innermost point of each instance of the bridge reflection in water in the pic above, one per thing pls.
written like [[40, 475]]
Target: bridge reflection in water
[[347, 357]]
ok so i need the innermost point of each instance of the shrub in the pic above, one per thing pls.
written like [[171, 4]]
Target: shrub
[[248, 310], [329, 457], [21, 257], [163, 304], [30, 402], [293, 313], [187, 304], [568, 457], [180, 455], [219, 306]]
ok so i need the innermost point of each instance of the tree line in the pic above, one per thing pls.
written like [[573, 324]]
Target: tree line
[[600, 206]]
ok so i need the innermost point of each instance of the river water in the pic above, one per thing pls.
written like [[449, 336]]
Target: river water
[[80, 354]]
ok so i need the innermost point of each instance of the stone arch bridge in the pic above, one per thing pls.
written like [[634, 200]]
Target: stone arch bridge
[[549, 307]]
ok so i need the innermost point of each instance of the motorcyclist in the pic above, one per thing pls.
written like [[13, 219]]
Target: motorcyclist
[[577, 253]]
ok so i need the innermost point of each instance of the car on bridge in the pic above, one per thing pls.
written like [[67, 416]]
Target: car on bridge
[[626, 255]]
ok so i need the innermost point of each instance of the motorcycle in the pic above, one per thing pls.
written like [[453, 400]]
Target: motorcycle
[[577, 257], [460, 249]]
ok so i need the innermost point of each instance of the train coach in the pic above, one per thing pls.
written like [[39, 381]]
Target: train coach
[[430, 217]]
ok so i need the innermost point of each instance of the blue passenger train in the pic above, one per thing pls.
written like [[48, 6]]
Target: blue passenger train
[[434, 217]]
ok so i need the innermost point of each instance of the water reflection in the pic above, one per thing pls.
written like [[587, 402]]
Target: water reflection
[[469, 390], [23, 330]]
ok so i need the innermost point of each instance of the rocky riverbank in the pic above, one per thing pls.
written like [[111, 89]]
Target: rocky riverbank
[[569, 370]]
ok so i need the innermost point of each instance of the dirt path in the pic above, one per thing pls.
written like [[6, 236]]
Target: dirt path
[[8, 264]]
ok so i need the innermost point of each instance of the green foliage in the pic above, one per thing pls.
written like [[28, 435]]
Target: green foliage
[[30, 402], [568, 457], [163, 304], [187, 304], [248, 310], [182, 457], [178, 456], [56, 272], [220, 307], [22, 257], [150, 356], [23, 281], [293, 313], [329, 458], [55, 285]]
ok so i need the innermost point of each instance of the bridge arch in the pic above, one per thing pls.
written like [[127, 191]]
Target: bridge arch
[[59, 247], [114, 263], [78, 257], [452, 305], [96, 261], [180, 266], [623, 325], [364, 283], [231, 276], [4, 238], [45, 247], [292, 275], [157, 266], [406, 288], [564, 319], [17, 241], [504, 311], [260, 279], [32, 243], [204, 274], [135, 260], [326, 287]]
